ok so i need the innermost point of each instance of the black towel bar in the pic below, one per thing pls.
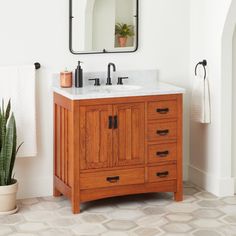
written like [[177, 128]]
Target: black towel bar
[[204, 64], [37, 65]]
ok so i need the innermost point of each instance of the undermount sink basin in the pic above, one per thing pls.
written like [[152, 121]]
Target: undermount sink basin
[[124, 87], [113, 88]]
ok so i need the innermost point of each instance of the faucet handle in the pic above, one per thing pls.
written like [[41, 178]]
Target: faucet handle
[[97, 81], [120, 80]]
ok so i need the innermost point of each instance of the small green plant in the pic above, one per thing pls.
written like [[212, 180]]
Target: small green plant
[[124, 30], [8, 149]]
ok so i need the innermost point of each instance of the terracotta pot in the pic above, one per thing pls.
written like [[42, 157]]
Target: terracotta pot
[[122, 41], [8, 198]]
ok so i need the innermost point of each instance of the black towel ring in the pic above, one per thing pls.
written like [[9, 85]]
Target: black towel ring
[[204, 64]]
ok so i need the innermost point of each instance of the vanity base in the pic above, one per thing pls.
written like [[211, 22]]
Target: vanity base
[[95, 194], [118, 146]]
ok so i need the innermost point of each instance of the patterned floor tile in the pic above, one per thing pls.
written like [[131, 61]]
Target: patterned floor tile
[[120, 225], [200, 214]]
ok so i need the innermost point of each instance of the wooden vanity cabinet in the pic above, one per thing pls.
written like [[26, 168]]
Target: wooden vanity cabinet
[[117, 146]]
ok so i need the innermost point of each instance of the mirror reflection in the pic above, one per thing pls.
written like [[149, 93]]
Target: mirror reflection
[[103, 26]]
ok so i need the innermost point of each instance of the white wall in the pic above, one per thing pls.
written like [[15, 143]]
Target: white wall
[[38, 31], [210, 162], [234, 111]]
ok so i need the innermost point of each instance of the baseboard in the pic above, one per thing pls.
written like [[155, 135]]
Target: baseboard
[[39, 187], [221, 187]]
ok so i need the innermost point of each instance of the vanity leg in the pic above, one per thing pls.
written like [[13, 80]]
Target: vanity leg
[[56, 193], [178, 196], [75, 206]]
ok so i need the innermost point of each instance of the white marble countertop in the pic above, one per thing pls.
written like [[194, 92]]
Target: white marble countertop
[[113, 91]]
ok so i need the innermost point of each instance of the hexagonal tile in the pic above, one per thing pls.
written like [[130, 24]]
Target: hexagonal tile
[[94, 218], [45, 206], [158, 202], [131, 205], [210, 203], [32, 227], [228, 209], [65, 211], [230, 219], [62, 222], [23, 234], [204, 232], [207, 213], [152, 221], [115, 233], [88, 229], [180, 207], [228, 230], [29, 201], [230, 200], [189, 199], [120, 225], [206, 223], [205, 195], [56, 232], [179, 217], [125, 214], [11, 220], [4, 230], [39, 215], [146, 231], [190, 191], [177, 228], [154, 210]]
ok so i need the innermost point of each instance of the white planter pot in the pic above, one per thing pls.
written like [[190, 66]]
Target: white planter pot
[[8, 199]]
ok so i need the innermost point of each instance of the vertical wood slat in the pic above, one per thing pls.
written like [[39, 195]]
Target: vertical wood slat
[[62, 144], [58, 131], [66, 148]]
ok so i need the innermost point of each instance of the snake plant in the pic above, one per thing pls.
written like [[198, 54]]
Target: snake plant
[[8, 149]]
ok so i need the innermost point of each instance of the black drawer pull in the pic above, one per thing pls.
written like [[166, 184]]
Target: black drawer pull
[[113, 179], [162, 174], [110, 122], [162, 110], [163, 132], [162, 154]]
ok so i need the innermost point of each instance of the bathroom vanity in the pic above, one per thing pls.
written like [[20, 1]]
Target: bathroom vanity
[[110, 142]]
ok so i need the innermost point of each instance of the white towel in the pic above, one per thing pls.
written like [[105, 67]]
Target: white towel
[[200, 102], [18, 84]]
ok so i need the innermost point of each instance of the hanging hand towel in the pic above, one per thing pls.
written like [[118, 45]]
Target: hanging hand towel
[[18, 84], [200, 102]]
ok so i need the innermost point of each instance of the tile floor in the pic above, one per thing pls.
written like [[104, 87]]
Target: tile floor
[[200, 214]]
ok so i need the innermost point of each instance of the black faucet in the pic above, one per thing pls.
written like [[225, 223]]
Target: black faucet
[[109, 72]]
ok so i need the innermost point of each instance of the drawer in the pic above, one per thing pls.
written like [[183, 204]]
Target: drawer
[[162, 109], [111, 178], [162, 173], [162, 152], [160, 131]]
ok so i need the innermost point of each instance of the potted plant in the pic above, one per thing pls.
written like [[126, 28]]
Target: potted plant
[[8, 151], [123, 31]]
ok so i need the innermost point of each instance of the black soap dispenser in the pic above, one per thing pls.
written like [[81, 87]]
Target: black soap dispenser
[[79, 76]]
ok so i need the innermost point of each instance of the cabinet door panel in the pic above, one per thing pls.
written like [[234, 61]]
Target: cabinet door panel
[[95, 137], [128, 137]]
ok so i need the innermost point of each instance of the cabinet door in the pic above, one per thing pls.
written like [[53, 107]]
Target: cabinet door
[[95, 137], [128, 134]]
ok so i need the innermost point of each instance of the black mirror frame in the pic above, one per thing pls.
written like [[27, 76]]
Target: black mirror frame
[[104, 50]]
